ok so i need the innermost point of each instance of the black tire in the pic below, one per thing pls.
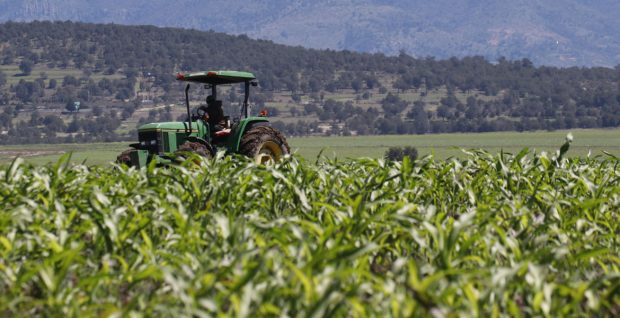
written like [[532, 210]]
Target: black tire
[[125, 157], [264, 144], [189, 148]]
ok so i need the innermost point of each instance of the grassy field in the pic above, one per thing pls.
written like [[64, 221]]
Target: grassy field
[[96, 153], [447, 145], [441, 146]]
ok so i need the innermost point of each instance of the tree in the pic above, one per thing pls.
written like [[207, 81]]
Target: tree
[[54, 123], [35, 118], [26, 67], [472, 108], [97, 111], [420, 118], [2, 79], [8, 56], [296, 98], [294, 111], [74, 125], [70, 80], [392, 104], [24, 91], [310, 109], [444, 111], [356, 84], [6, 120], [72, 106]]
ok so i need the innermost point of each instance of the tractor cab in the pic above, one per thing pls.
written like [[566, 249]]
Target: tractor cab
[[212, 113], [208, 129]]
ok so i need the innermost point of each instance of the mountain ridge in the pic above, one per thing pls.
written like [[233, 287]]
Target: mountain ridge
[[560, 33]]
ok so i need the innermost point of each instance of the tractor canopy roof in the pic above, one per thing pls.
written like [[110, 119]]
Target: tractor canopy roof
[[217, 77]]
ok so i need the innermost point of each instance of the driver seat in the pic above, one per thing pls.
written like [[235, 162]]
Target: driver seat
[[215, 111]]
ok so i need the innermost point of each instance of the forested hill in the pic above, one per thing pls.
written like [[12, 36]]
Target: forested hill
[[558, 32], [115, 66]]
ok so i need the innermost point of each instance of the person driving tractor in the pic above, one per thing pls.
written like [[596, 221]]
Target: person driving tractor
[[214, 115]]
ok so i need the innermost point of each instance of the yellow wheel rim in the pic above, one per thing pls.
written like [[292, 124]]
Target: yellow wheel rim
[[268, 154]]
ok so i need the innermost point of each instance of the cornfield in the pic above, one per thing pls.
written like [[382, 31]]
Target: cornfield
[[491, 235]]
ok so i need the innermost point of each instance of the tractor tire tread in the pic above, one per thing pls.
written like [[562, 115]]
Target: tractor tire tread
[[254, 137], [194, 147]]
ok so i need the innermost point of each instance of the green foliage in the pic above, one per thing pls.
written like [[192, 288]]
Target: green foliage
[[2, 79], [26, 67], [511, 235], [399, 153], [117, 66]]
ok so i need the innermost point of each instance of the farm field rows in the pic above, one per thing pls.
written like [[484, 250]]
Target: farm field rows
[[484, 235], [441, 146]]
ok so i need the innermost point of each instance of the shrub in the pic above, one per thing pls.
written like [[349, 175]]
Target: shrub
[[398, 153]]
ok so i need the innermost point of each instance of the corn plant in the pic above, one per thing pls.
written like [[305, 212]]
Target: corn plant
[[491, 235]]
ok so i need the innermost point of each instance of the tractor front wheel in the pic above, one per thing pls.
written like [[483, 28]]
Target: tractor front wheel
[[125, 157], [189, 148], [264, 144]]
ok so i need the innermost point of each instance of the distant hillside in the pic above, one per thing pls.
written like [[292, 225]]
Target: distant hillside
[[560, 33], [120, 76]]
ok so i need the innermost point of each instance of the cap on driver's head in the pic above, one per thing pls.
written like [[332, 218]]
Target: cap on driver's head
[[210, 98]]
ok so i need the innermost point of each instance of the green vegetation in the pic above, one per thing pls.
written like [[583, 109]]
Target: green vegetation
[[123, 76], [399, 153], [91, 154], [487, 235], [441, 146]]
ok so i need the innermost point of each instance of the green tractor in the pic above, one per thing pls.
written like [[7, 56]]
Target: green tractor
[[207, 130]]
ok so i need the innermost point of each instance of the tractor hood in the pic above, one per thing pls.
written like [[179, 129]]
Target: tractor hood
[[171, 125]]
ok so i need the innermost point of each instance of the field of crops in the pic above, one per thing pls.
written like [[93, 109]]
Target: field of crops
[[488, 235], [441, 146]]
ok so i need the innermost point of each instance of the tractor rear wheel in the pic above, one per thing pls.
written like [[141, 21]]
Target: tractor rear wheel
[[266, 145], [125, 157], [189, 148]]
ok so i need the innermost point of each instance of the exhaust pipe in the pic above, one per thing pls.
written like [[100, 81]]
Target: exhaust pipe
[[245, 99], [189, 115]]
